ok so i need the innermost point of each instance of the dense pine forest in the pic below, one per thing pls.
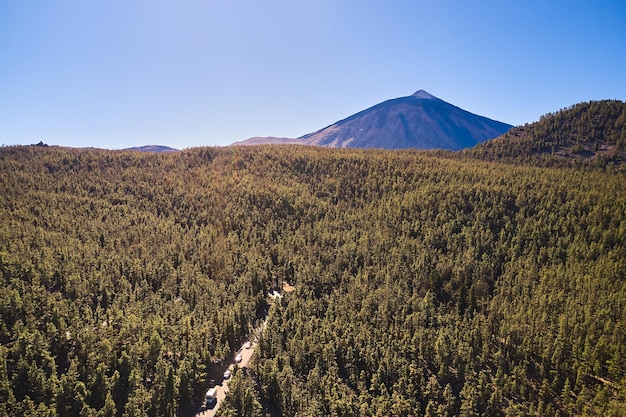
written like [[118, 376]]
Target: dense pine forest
[[590, 134], [426, 284]]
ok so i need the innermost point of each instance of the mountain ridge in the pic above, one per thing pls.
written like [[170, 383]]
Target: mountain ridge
[[592, 133], [151, 148]]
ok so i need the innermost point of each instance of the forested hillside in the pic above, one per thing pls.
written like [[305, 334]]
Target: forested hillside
[[425, 284], [589, 134]]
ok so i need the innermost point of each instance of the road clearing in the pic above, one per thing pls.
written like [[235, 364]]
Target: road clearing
[[222, 388]]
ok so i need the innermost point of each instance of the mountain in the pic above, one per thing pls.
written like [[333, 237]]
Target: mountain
[[592, 133], [420, 121], [270, 140], [152, 148]]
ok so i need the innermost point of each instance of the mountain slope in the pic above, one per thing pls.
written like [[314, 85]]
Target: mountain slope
[[269, 140], [152, 148], [419, 121], [592, 133]]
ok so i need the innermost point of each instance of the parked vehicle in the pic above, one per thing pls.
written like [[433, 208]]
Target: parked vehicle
[[210, 398], [247, 345], [227, 374], [238, 358]]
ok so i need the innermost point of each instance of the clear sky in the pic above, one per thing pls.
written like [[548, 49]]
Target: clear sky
[[186, 73]]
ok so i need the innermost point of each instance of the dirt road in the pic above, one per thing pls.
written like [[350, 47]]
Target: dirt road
[[222, 389], [246, 355]]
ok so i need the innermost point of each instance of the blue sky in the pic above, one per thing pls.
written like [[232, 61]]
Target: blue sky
[[119, 73]]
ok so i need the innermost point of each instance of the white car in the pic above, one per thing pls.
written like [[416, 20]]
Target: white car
[[227, 374], [247, 345], [210, 398], [238, 358]]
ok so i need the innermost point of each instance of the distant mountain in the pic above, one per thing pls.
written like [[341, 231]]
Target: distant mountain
[[420, 121], [270, 140], [586, 133], [152, 148]]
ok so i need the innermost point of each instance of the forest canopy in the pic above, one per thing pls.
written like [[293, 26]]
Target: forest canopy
[[589, 134], [426, 284]]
